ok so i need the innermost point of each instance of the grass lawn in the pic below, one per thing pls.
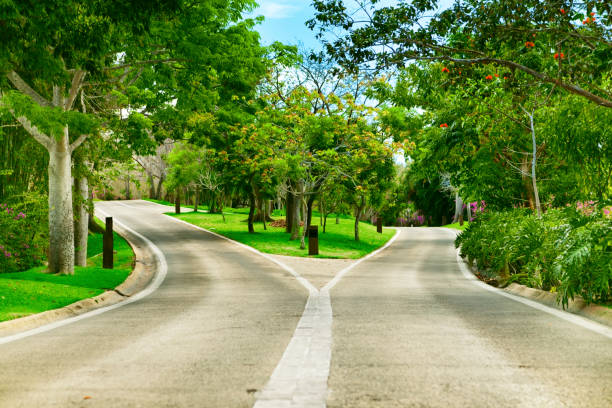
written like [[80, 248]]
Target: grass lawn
[[34, 291], [457, 226], [201, 207], [337, 242]]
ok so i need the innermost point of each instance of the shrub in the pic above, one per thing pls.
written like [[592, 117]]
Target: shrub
[[566, 251], [23, 233]]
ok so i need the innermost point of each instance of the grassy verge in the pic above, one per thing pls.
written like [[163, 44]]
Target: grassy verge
[[457, 226], [201, 207], [34, 291], [337, 242]]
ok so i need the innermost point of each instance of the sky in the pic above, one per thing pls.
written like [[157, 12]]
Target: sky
[[285, 22]]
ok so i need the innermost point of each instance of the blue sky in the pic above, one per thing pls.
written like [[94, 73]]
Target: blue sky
[[285, 22]]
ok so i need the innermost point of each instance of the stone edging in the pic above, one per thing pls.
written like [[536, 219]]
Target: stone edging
[[143, 273]]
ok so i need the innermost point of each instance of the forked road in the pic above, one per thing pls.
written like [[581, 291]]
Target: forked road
[[409, 330]]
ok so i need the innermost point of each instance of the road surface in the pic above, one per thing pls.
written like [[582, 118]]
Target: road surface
[[409, 330]]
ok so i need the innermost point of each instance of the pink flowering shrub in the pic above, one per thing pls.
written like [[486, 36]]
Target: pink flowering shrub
[[21, 238]]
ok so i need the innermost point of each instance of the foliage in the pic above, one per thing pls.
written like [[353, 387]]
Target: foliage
[[34, 291], [337, 242], [568, 250], [22, 233]]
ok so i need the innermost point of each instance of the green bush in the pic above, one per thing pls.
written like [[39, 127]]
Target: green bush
[[568, 250], [23, 229]]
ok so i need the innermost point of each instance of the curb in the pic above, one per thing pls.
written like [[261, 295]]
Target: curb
[[577, 306], [145, 269], [600, 314]]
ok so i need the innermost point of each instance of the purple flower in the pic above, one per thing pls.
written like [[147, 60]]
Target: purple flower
[[7, 254], [21, 215]]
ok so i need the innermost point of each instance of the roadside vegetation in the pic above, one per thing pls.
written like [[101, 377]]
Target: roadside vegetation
[[35, 290], [476, 121], [567, 251], [336, 242]]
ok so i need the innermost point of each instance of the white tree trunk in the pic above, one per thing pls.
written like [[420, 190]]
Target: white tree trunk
[[533, 168], [61, 229], [81, 223], [458, 207]]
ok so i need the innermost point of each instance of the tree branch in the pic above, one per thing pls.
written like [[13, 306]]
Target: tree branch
[[77, 81], [33, 130], [75, 145], [22, 86], [511, 64]]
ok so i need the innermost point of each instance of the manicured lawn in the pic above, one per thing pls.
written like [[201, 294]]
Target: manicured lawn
[[201, 207], [457, 226], [33, 291], [337, 242]]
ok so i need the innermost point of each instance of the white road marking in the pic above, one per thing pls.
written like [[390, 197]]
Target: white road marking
[[300, 378], [570, 317], [162, 270]]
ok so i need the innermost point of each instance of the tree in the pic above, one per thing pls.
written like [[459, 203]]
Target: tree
[[490, 32], [98, 52]]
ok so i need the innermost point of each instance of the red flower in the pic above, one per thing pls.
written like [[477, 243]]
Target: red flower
[[444, 125], [505, 77], [496, 76], [592, 13], [445, 69], [489, 77], [562, 11], [529, 44], [562, 55], [556, 55]]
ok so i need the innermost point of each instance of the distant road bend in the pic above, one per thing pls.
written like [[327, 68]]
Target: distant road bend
[[407, 330]]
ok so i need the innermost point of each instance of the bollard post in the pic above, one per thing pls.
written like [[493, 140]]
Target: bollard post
[[107, 245], [460, 219], [444, 220], [379, 225], [313, 240]]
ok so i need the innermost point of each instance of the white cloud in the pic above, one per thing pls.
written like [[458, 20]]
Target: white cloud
[[276, 10]]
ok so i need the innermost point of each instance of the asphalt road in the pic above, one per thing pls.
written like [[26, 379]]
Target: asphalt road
[[209, 336], [409, 330]]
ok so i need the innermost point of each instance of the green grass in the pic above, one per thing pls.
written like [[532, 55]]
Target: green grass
[[34, 291], [337, 242], [457, 226], [201, 207]]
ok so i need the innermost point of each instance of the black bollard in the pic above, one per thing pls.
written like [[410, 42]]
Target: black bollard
[[444, 220], [379, 225], [107, 245], [313, 240]]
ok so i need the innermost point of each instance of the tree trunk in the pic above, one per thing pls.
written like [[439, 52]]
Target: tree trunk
[[337, 218], [533, 168], [305, 217], [82, 222], [61, 227], [309, 213], [251, 213], [151, 185], [196, 199], [295, 220], [469, 212], [177, 202], [289, 212], [158, 193], [324, 222], [458, 207], [358, 216], [526, 182]]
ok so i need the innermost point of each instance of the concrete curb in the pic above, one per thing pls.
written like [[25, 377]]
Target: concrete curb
[[600, 314], [143, 273]]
